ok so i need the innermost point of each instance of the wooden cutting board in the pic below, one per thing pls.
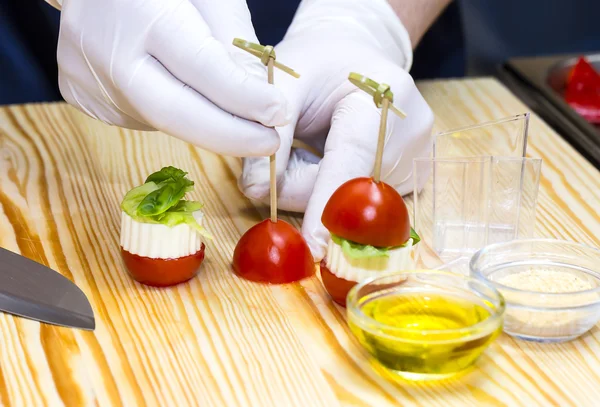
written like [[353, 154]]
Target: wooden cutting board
[[218, 340]]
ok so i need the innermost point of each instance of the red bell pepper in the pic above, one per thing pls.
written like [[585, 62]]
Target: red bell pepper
[[583, 91]]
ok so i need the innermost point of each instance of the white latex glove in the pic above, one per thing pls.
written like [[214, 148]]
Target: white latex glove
[[169, 65], [327, 40]]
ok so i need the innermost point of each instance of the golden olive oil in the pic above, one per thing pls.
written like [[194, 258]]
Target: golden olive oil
[[424, 334]]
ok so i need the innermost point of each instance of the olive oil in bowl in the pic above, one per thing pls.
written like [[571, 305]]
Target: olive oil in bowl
[[425, 328]]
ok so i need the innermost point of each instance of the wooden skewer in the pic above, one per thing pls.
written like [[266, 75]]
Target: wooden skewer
[[257, 50], [272, 159], [267, 56], [305, 146], [381, 140], [383, 97], [398, 111], [270, 72]]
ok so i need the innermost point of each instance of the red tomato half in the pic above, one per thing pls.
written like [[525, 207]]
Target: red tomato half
[[367, 212], [274, 253], [336, 287], [162, 272]]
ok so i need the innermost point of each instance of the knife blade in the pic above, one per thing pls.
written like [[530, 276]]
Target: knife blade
[[31, 290]]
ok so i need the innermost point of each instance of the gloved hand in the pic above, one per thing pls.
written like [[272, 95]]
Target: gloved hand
[[327, 40], [169, 65]]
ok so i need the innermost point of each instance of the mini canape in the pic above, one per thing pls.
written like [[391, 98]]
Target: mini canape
[[161, 232], [370, 234]]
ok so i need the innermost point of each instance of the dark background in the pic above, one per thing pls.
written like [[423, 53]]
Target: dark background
[[471, 37], [29, 35]]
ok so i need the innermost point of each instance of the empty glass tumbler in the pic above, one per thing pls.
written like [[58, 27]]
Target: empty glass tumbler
[[464, 204]]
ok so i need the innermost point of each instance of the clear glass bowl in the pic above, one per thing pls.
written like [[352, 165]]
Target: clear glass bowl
[[533, 311], [424, 325]]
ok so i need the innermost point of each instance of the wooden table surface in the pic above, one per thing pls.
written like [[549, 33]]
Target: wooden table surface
[[218, 340]]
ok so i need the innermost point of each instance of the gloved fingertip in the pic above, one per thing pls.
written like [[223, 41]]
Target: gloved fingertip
[[256, 192], [262, 145], [271, 148], [275, 111], [250, 63], [316, 243], [254, 181], [288, 116], [317, 250]]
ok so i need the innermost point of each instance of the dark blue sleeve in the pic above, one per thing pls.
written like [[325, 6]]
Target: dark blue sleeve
[[271, 18], [29, 34], [441, 52], [28, 38], [472, 33]]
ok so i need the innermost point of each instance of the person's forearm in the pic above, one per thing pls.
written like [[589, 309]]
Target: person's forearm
[[418, 15]]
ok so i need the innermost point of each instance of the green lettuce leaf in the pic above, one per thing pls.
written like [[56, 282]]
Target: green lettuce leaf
[[183, 212], [187, 206], [360, 251]]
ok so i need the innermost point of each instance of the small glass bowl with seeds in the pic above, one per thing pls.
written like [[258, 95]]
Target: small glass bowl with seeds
[[551, 287]]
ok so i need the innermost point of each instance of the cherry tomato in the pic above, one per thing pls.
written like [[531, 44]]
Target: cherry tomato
[[274, 253], [336, 287], [162, 272], [367, 212]]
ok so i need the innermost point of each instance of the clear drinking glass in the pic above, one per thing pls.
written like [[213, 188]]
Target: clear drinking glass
[[505, 137], [463, 204]]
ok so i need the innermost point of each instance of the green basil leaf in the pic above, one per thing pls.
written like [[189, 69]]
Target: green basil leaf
[[165, 174], [414, 236], [159, 201]]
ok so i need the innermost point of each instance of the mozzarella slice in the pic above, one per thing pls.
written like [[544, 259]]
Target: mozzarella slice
[[357, 270], [158, 241]]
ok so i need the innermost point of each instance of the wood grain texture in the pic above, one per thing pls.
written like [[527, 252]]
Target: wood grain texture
[[218, 340]]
